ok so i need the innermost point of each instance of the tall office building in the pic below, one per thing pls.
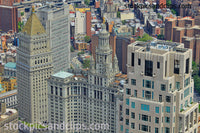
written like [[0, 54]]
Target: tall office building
[[87, 99], [34, 66], [159, 95], [55, 19]]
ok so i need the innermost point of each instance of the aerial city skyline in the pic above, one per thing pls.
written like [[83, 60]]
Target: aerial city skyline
[[99, 66]]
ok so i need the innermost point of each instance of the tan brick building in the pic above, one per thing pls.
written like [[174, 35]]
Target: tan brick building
[[184, 30]]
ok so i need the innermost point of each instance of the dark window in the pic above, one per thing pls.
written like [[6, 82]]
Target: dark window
[[156, 130], [133, 115], [148, 68], [168, 99], [132, 63], [133, 125], [158, 65], [145, 128], [133, 81], [145, 117], [163, 87], [127, 111], [147, 94], [187, 66], [128, 91], [60, 91], [176, 66], [56, 91], [127, 121], [139, 61], [135, 93], [51, 89], [157, 120], [160, 98]]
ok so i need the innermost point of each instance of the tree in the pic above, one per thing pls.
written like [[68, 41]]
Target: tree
[[161, 37], [168, 2], [79, 53], [196, 76], [87, 39], [87, 2], [123, 22], [145, 38], [72, 49], [86, 63], [159, 16], [20, 26], [22, 13], [118, 14], [173, 11]]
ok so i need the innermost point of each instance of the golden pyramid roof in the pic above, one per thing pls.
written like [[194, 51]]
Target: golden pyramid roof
[[33, 26]]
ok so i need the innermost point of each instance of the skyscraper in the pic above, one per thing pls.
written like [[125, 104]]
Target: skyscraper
[[55, 19], [159, 95], [87, 99], [34, 66]]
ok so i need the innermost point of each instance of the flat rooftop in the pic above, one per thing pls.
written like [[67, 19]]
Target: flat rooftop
[[63, 74]]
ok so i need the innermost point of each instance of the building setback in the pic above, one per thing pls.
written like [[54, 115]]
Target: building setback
[[8, 18], [55, 19], [159, 94], [34, 66]]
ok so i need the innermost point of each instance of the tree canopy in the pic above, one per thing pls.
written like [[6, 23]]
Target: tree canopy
[[87, 39], [196, 76], [145, 38]]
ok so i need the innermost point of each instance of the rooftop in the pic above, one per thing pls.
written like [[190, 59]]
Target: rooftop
[[10, 65], [63, 74]]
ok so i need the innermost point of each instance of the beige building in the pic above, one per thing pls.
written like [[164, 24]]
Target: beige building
[[34, 66], [80, 23], [158, 97], [126, 15], [8, 116]]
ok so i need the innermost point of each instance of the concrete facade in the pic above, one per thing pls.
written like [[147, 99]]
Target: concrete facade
[[159, 94]]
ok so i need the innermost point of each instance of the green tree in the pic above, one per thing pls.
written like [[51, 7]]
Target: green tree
[[159, 16], [118, 14], [72, 49], [22, 13], [79, 53], [87, 39], [86, 63], [168, 2], [196, 76], [173, 11], [87, 2], [123, 22], [161, 37], [20, 26], [145, 38]]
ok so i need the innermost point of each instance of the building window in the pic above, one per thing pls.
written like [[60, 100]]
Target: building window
[[156, 120], [187, 82], [133, 125], [156, 130], [51, 89], [148, 84], [167, 130], [187, 65], [144, 107], [128, 91], [148, 68], [167, 119], [132, 63], [167, 109], [56, 91], [176, 66], [139, 61], [133, 81], [145, 128], [148, 94], [122, 128], [178, 85], [163, 87], [127, 121], [60, 91], [157, 110], [145, 117], [168, 99], [127, 131], [127, 101], [135, 93], [132, 115], [133, 105], [158, 65], [127, 111], [160, 98], [186, 92]]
